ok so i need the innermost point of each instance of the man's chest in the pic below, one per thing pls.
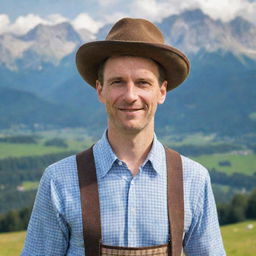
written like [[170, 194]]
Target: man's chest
[[133, 209]]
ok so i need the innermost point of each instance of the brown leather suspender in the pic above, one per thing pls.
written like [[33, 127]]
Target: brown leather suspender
[[175, 200], [89, 202], [91, 207]]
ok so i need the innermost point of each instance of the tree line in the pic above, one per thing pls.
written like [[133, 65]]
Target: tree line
[[15, 170], [24, 139], [197, 150], [15, 220], [241, 207], [234, 180]]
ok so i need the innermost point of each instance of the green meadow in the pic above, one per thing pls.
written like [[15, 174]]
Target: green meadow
[[20, 150], [30, 185], [75, 139], [11, 243], [245, 164], [238, 240]]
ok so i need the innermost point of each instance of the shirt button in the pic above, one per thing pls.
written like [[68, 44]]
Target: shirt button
[[133, 210], [132, 229], [120, 163]]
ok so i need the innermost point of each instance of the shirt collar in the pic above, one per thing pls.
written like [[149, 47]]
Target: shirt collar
[[157, 156], [105, 157]]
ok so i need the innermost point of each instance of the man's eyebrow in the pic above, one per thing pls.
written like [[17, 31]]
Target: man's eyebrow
[[147, 79], [114, 78]]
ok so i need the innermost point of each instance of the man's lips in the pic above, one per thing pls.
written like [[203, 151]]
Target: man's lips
[[129, 109]]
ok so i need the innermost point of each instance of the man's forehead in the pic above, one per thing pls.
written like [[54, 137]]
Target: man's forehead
[[123, 59], [120, 64]]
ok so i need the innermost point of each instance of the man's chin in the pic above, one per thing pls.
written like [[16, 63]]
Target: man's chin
[[132, 128], [129, 126]]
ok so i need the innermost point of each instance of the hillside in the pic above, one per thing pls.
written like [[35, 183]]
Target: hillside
[[21, 109]]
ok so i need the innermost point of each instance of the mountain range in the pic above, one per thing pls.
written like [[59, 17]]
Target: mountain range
[[38, 75]]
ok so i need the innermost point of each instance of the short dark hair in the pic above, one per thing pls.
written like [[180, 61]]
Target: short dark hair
[[161, 71]]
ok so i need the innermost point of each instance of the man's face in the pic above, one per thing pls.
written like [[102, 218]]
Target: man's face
[[131, 92]]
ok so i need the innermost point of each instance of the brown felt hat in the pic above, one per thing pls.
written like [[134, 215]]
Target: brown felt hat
[[135, 37]]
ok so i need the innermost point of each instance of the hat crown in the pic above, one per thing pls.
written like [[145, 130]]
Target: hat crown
[[135, 30]]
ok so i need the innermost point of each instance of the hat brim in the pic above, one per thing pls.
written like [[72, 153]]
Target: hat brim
[[90, 55]]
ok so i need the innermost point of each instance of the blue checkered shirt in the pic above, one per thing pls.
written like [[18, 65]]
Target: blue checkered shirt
[[133, 208]]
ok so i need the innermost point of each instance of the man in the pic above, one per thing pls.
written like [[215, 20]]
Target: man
[[132, 71]]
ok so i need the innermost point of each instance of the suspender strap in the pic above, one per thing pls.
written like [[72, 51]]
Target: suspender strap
[[91, 207], [175, 200], [89, 202]]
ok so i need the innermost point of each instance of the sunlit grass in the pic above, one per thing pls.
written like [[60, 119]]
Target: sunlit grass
[[239, 240], [245, 164], [30, 185], [76, 140], [11, 243]]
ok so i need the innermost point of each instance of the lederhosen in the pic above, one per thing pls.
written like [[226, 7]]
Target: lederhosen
[[91, 210]]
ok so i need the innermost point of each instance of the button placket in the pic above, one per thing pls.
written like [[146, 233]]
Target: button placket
[[132, 214]]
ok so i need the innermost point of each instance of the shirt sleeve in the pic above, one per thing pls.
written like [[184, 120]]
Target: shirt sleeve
[[204, 236], [48, 232]]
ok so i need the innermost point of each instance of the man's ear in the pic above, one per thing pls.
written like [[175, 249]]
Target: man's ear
[[99, 89], [163, 92]]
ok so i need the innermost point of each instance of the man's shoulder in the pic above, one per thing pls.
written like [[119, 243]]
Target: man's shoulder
[[194, 170], [62, 168]]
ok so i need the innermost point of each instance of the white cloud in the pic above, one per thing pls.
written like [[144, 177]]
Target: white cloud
[[225, 10], [56, 18], [157, 10], [24, 23], [228, 9], [84, 21], [249, 12], [112, 18], [4, 23]]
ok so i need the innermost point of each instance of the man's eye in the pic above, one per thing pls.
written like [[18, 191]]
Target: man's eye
[[144, 83], [116, 82]]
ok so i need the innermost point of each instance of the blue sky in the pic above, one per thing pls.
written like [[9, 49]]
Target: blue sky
[[19, 15], [68, 8]]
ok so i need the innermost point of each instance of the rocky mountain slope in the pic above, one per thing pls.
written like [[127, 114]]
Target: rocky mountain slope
[[193, 31], [190, 31]]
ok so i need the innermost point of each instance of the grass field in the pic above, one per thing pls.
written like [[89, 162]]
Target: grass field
[[30, 185], [245, 164], [11, 243], [19, 150], [76, 139], [238, 240]]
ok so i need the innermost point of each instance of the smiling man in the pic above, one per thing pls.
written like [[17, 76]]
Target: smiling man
[[131, 92], [128, 194]]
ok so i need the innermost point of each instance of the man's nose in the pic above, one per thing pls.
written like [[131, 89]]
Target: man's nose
[[130, 94]]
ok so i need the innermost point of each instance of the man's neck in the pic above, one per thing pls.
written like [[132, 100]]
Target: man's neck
[[132, 148]]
